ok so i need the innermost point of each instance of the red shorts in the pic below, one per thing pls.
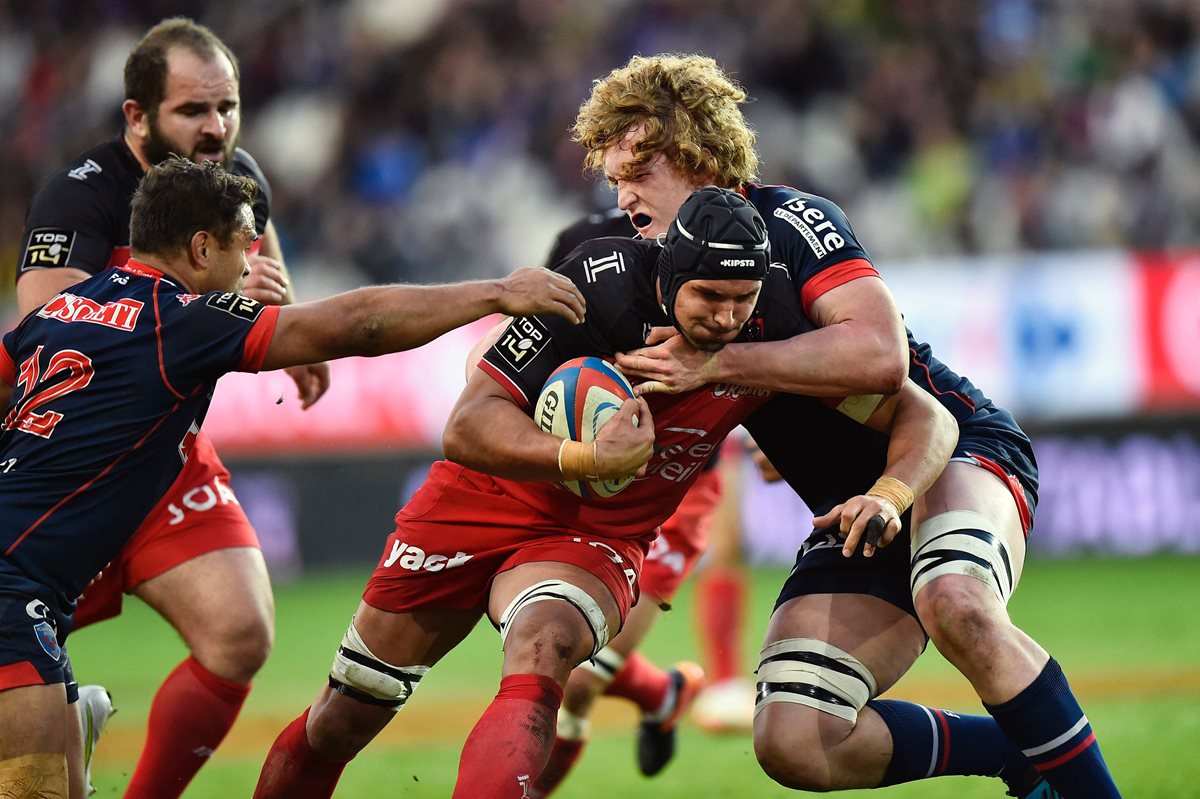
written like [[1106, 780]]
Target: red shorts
[[198, 514], [682, 539], [455, 535]]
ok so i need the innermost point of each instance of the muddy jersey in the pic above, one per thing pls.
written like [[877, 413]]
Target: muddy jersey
[[111, 380], [617, 279], [80, 217]]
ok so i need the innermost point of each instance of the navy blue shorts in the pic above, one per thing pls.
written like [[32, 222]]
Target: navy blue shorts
[[998, 446], [31, 644]]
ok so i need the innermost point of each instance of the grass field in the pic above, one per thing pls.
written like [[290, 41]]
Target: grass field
[[1126, 632]]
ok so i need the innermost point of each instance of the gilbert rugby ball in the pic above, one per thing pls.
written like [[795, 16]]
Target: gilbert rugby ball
[[576, 401]]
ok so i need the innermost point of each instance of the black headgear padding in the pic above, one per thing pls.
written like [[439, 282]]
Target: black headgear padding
[[717, 235]]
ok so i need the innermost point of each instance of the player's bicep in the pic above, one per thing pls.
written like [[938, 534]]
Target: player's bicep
[[864, 300], [304, 333], [35, 287]]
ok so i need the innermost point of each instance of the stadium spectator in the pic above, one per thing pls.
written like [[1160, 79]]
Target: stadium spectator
[[661, 124], [555, 574], [197, 564], [105, 389]]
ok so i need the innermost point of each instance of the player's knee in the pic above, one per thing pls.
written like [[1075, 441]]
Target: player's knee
[[551, 627], [548, 640], [337, 735], [377, 687], [791, 756], [809, 697], [958, 621], [236, 649]]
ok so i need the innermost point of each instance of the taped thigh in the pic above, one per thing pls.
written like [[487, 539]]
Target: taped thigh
[[809, 672], [962, 542], [358, 674], [572, 594]]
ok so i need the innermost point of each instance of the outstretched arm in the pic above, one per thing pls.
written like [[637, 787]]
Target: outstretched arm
[[383, 319]]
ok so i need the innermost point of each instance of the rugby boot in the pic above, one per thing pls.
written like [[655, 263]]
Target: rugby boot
[[656, 733], [96, 708]]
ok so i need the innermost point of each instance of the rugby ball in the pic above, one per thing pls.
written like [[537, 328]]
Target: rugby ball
[[576, 401]]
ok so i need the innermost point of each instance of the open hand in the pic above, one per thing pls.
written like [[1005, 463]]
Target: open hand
[[669, 364], [312, 381], [531, 290]]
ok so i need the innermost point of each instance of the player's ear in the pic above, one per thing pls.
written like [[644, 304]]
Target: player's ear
[[198, 248], [136, 118]]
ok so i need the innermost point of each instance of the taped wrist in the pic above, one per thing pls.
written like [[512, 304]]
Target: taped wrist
[[894, 491], [577, 460]]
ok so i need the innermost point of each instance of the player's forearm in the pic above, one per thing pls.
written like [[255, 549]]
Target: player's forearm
[[923, 437], [839, 360], [382, 319], [494, 436]]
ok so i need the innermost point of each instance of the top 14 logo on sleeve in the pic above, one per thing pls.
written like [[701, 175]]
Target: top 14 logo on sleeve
[[48, 247], [523, 339], [236, 305]]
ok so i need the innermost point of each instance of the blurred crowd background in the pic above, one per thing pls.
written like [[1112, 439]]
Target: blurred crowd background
[[428, 139]]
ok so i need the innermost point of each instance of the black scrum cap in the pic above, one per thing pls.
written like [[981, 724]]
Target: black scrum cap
[[717, 235]]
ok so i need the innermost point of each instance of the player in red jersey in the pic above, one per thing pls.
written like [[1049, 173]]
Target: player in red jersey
[[661, 125], [196, 559], [104, 389], [706, 531], [489, 533]]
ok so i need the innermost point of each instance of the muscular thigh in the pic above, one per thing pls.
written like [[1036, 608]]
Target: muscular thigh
[[885, 639], [967, 487], [212, 594]]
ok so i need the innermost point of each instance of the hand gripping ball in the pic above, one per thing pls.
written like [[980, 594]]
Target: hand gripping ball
[[578, 398]]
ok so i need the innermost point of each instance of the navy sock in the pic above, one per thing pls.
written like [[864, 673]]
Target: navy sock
[[1046, 722], [930, 743]]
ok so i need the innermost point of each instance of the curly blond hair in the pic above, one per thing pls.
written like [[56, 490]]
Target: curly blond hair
[[690, 110]]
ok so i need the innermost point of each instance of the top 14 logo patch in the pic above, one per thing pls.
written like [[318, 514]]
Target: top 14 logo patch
[[48, 247]]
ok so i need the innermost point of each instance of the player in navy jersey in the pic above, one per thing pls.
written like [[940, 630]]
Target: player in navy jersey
[[104, 389], [657, 128], [490, 533], [199, 567]]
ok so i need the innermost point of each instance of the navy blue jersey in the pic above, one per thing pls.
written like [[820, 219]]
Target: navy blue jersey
[[111, 381], [838, 458], [827, 457], [80, 217], [617, 279], [811, 237]]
